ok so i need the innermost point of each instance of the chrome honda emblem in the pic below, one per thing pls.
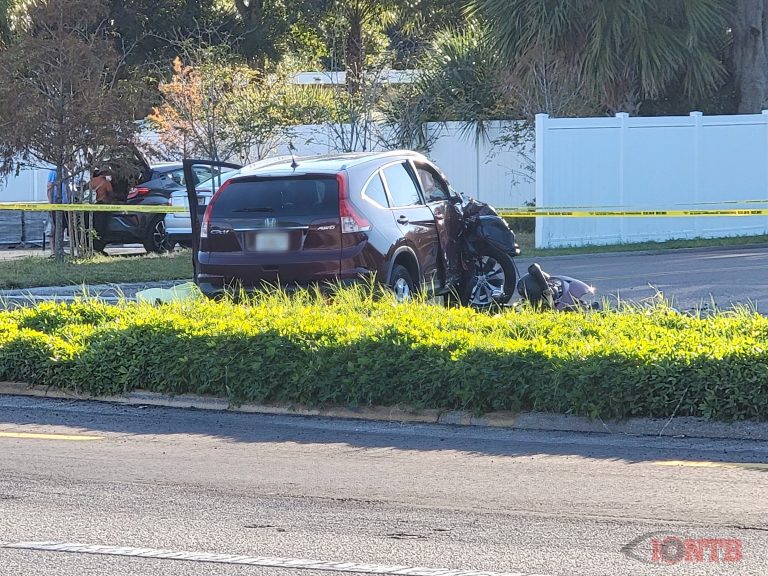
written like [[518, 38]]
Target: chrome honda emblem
[[270, 222]]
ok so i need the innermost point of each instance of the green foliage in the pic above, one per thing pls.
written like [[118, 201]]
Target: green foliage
[[458, 79], [356, 348], [6, 11], [628, 50], [216, 106]]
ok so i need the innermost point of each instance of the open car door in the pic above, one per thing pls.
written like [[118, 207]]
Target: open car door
[[197, 210]]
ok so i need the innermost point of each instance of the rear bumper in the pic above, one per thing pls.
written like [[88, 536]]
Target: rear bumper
[[180, 236], [216, 286]]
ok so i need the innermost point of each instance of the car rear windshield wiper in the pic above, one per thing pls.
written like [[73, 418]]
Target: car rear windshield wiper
[[254, 210]]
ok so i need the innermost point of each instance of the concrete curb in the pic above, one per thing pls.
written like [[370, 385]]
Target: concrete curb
[[528, 421]]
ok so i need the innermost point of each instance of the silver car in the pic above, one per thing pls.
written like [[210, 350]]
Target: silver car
[[178, 225]]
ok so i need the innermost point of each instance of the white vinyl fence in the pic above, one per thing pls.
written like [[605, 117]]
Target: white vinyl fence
[[483, 167], [497, 174], [654, 163]]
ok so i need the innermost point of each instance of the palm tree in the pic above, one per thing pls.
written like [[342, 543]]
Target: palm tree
[[358, 16], [458, 78], [629, 50], [750, 54]]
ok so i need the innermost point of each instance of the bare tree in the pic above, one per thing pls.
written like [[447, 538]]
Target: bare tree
[[215, 105], [64, 99], [354, 123]]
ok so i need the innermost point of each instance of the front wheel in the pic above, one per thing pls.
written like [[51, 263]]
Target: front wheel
[[490, 280], [156, 239]]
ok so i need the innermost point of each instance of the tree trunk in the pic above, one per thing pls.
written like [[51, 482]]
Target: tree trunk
[[58, 217], [251, 12], [354, 52], [750, 54]]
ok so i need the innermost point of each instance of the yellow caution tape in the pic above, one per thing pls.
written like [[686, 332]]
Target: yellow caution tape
[[45, 207], [545, 213], [636, 208], [505, 212]]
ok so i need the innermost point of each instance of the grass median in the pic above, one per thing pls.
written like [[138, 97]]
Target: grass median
[[31, 272], [34, 271], [357, 349]]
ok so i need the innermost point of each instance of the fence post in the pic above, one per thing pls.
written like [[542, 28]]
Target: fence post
[[623, 118], [697, 122], [541, 128], [477, 168], [765, 189]]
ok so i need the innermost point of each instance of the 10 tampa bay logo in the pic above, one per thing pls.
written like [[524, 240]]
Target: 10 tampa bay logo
[[667, 548]]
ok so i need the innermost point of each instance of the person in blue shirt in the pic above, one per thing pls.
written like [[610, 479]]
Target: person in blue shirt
[[60, 197]]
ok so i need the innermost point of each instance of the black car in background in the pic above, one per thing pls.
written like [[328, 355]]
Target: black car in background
[[146, 185]]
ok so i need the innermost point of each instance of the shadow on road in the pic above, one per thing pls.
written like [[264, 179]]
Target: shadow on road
[[94, 417]]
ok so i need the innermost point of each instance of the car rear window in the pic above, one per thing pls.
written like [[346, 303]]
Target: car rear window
[[315, 196]]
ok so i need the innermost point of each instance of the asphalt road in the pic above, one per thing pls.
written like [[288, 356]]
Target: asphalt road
[[689, 278], [357, 493]]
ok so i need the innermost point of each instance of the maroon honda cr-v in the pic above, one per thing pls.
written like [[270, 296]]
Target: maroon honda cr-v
[[345, 217]]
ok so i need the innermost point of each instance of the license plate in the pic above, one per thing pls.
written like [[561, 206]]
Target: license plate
[[272, 242]]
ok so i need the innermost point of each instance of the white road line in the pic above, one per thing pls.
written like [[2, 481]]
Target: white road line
[[264, 561]]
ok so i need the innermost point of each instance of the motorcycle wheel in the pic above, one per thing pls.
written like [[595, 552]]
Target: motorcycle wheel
[[156, 240], [491, 274]]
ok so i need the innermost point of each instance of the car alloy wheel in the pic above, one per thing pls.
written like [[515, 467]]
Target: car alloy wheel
[[488, 282], [157, 239]]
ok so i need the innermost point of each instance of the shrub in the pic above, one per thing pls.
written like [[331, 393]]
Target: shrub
[[353, 350]]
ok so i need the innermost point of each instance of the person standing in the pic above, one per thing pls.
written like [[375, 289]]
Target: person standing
[[57, 196], [101, 184], [101, 187]]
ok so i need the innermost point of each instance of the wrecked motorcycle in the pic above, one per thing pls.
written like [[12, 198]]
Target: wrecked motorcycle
[[488, 249]]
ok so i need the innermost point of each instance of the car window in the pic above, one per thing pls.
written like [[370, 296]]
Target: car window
[[376, 192], [202, 173], [246, 199], [434, 187], [222, 177], [177, 176], [402, 188]]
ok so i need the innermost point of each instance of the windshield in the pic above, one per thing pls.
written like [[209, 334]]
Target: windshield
[[218, 180], [294, 197]]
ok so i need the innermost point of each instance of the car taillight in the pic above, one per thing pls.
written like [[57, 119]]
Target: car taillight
[[351, 220], [209, 210], [137, 191]]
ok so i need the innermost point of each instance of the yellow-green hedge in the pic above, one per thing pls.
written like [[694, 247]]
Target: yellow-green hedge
[[360, 350]]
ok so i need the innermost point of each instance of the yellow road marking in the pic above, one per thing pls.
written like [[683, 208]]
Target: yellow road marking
[[36, 436], [705, 464]]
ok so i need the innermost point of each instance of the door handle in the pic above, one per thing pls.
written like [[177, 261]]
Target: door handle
[[403, 220]]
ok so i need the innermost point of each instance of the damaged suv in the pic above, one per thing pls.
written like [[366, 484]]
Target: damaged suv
[[295, 222]]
